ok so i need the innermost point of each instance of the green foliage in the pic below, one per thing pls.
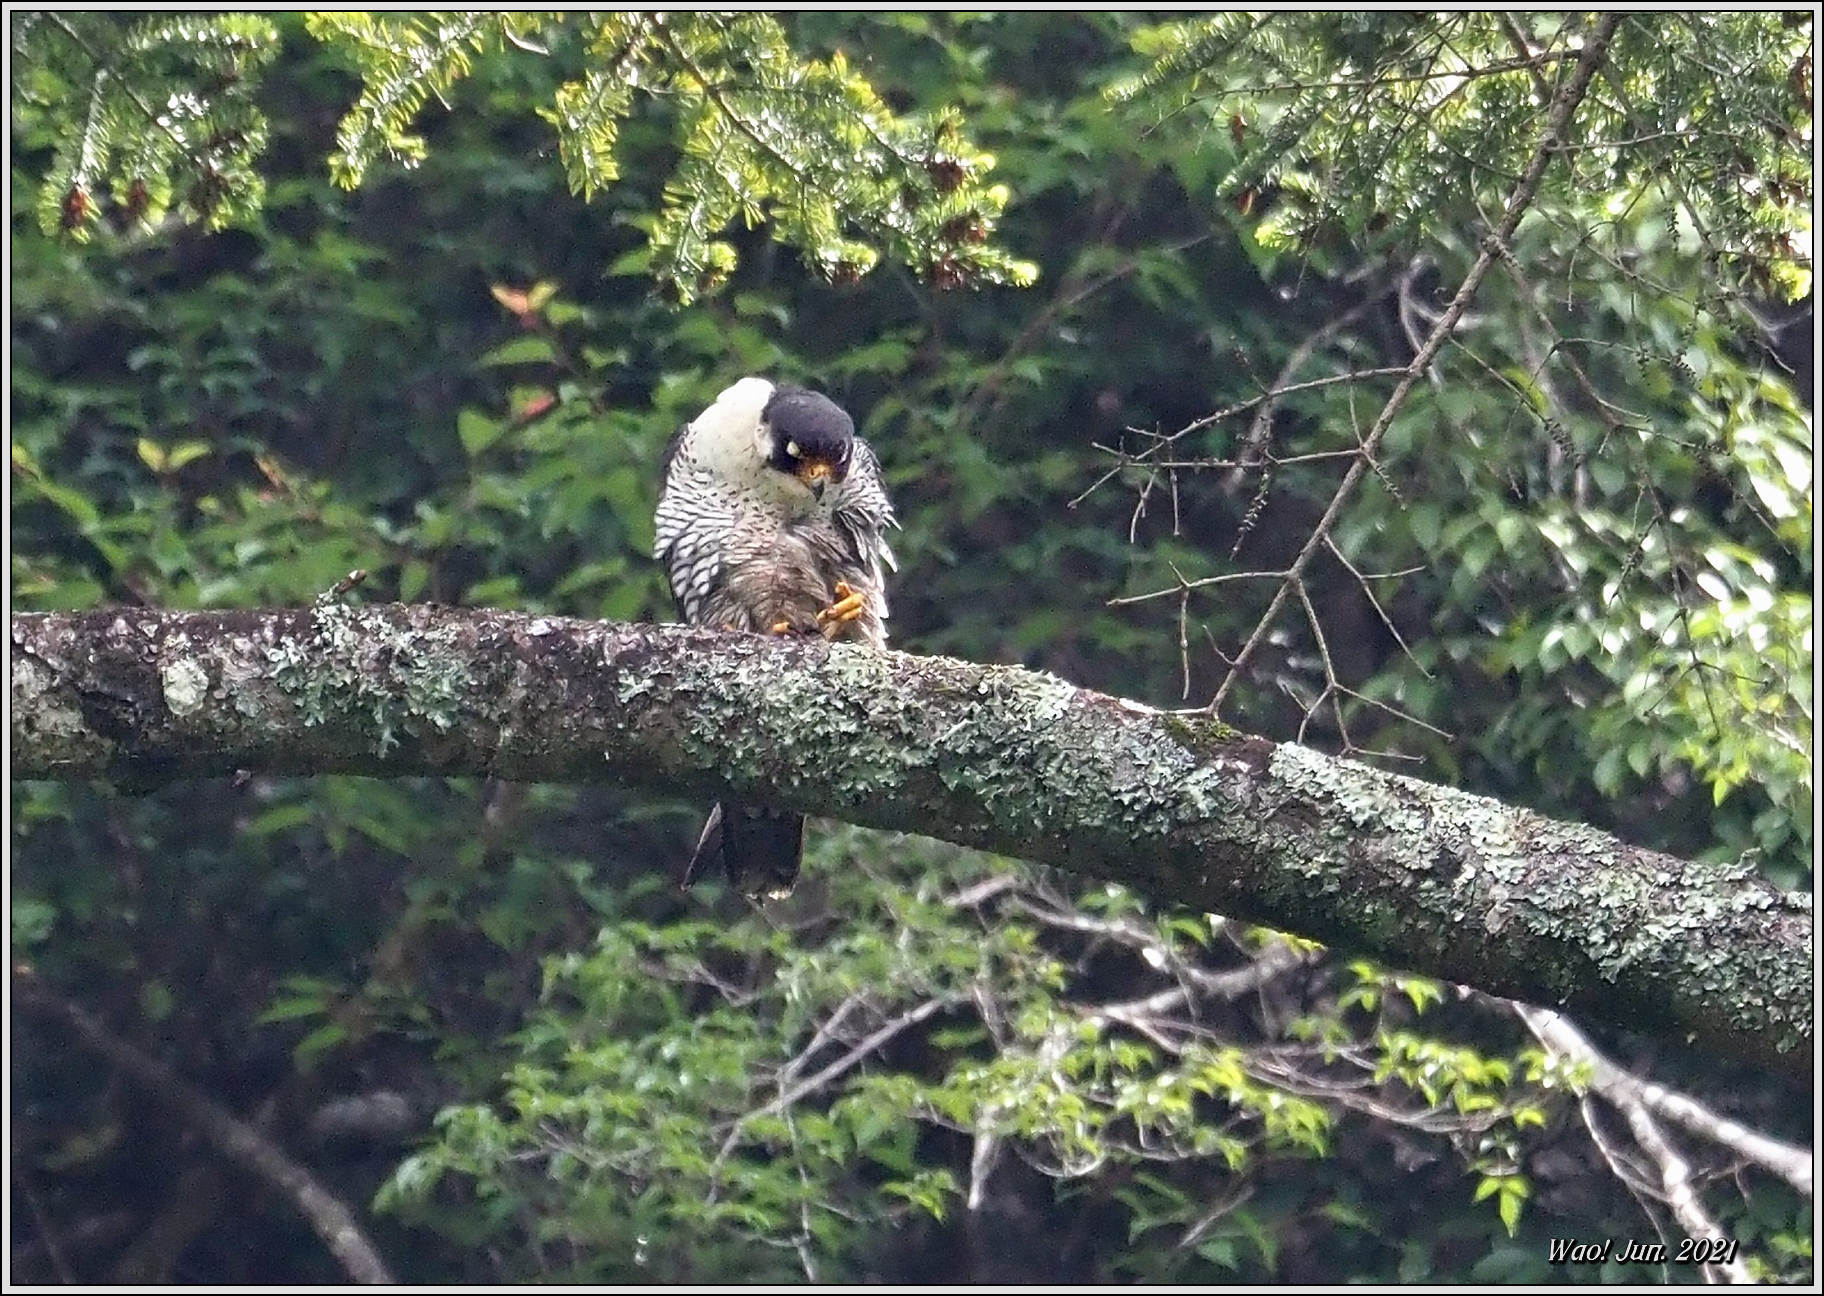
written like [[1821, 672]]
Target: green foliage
[[404, 60], [1631, 581], [1418, 121], [1599, 502], [764, 136], [654, 1086], [1676, 533], [725, 1086], [160, 117]]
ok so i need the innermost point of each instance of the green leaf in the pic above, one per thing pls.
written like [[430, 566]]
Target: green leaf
[[1512, 1203], [279, 819], [156, 1002], [311, 1048], [185, 452], [1220, 1252], [525, 350], [290, 1009], [478, 431], [33, 920]]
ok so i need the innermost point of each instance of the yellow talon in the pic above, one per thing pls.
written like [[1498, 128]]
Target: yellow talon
[[782, 627], [848, 607]]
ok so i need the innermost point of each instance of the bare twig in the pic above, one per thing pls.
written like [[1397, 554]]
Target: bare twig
[[1260, 429], [1272, 961], [1677, 1190], [1271, 394], [1367, 83], [1199, 583], [1331, 684], [1076, 288], [983, 891], [1380, 611], [858, 1053], [825, 1033], [982, 1158]]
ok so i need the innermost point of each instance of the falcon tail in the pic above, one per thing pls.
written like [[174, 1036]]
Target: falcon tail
[[759, 849]]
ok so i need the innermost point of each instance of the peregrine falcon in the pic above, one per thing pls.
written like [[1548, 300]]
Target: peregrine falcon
[[772, 519]]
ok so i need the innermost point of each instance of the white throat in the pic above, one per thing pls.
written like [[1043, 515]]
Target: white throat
[[730, 444]]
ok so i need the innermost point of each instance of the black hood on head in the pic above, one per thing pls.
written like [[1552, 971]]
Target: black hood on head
[[812, 421]]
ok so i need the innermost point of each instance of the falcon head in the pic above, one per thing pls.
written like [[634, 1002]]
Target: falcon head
[[783, 442], [807, 435]]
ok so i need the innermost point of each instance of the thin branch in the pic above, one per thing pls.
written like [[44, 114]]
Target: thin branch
[[1677, 1190], [1623, 1164], [1199, 583], [1272, 961], [982, 1158], [1370, 83], [1380, 611], [983, 891], [1791, 1163], [1260, 429], [825, 1033], [234, 1138], [1563, 105], [855, 1055], [1331, 684], [1273, 394], [802, 1243]]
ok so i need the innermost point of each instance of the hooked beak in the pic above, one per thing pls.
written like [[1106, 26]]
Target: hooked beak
[[816, 474]]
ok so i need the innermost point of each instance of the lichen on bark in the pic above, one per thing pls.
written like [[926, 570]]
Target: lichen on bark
[[1182, 808]]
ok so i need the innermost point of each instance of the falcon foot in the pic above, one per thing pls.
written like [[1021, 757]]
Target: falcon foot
[[849, 606]]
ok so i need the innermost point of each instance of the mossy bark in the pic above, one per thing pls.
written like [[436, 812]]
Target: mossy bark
[[1424, 877]]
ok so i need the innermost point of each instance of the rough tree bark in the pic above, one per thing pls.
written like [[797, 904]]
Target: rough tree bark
[[1181, 808]]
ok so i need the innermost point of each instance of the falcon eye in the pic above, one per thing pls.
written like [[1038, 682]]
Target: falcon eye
[[791, 448]]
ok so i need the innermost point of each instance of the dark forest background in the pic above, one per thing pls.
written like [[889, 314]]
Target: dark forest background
[[482, 1015]]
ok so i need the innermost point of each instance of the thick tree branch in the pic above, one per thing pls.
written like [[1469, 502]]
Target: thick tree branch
[[1183, 808]]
